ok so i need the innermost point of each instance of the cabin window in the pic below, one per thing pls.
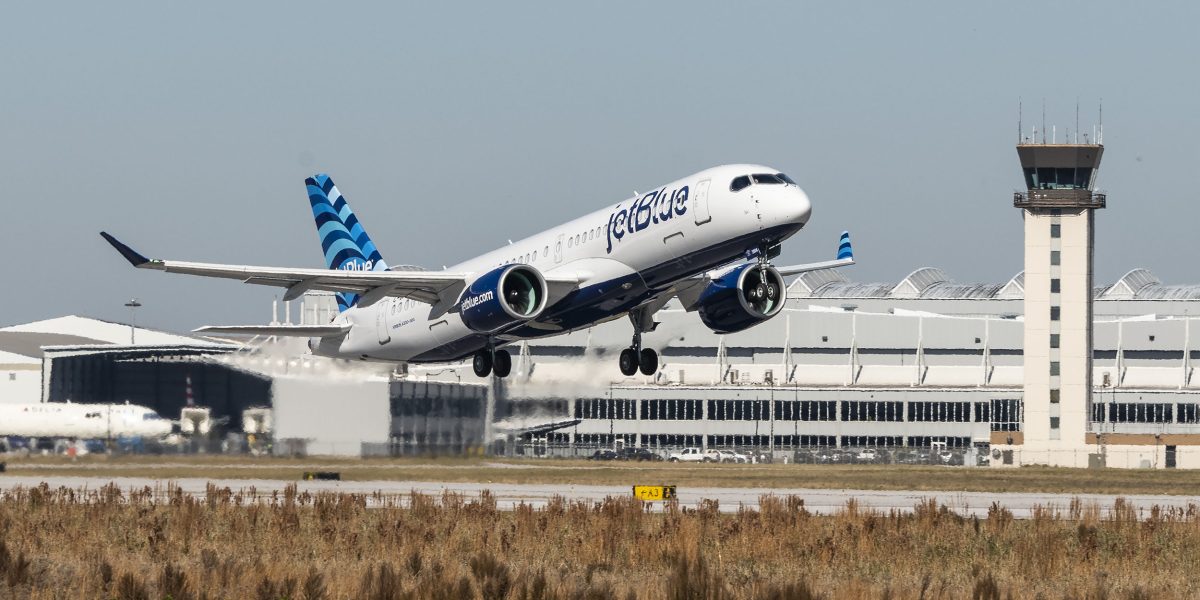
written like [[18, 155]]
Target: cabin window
[[740, 183]]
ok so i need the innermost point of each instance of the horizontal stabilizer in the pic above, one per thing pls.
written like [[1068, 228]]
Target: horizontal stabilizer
[[845, 257], [308, 331]]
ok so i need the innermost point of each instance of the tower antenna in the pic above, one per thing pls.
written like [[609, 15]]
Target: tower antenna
[[1043, 120], [1076, 119], [1018, 119]]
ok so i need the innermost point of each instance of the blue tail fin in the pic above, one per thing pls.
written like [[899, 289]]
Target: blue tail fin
[[844, 249], [343, 240]]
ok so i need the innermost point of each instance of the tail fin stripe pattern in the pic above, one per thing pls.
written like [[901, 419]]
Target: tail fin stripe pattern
[[331, 230], [844, 248], [341, 251]]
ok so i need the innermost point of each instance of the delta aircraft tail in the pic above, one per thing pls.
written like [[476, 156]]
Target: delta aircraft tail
[[343, 240]]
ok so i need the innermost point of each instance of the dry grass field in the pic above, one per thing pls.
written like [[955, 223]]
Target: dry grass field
[[582, 472], [112, 544]]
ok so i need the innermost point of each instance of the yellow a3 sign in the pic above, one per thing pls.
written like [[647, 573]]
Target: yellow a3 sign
[[654, 493]]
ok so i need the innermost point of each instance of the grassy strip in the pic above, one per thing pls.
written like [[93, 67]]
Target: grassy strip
[[110, 544], [866, 477]]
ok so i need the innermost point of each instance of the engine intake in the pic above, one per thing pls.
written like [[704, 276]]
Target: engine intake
[[742, 298], [503, 296]]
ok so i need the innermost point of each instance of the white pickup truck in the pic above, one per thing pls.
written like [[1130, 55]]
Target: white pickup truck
[[695, 455]]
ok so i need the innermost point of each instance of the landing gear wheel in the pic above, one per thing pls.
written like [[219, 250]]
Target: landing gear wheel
[[482, 363], [628, 362], [648, 361], [502, 363]]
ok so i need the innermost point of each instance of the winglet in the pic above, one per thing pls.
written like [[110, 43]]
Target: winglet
[[844, 248], [130, 254]]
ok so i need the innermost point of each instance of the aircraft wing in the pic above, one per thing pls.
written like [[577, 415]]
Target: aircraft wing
[[321, 331], [845, 257], [439, 288], [688, 291], [426, 286]]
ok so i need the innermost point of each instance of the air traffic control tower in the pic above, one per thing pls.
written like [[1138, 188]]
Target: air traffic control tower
[[1059, 206]]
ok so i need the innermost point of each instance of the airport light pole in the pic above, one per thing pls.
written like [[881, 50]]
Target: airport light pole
[[131, 305]]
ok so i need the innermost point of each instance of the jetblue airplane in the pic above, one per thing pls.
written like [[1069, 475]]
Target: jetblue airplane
[[706, 239]]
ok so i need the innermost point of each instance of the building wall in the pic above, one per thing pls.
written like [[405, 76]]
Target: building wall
[[437, 418], [329, 415], [1057, 250], [20, 384]]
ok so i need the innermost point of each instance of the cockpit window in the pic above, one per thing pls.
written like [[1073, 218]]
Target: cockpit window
[[740, 183], [785, 178], [767, 178], [151, 416]]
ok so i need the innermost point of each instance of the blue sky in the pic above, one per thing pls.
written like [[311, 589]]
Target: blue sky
[[187, 130]]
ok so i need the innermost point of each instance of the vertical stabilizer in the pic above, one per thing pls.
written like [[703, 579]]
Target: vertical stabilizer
[[344, 242]]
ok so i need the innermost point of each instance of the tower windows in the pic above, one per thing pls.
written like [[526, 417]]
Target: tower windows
[[1055, 257], [1055, 313], [1054, 368], [1055, 286], [1054, 340], [1055, 395], [1056, 230]]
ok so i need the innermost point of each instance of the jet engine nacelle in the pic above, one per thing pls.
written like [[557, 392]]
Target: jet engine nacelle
[[503, 296], [741, 298]]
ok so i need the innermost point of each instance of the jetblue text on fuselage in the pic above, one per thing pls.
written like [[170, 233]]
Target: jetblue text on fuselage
[[642, 212]]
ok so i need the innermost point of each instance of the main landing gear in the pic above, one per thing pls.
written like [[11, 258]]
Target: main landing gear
[[636, 358], [633, 360], [489, 361]]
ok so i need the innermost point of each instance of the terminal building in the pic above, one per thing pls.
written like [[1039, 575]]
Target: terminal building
[[922, 362]]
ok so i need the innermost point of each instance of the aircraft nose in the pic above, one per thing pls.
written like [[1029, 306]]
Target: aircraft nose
[[799, 207]]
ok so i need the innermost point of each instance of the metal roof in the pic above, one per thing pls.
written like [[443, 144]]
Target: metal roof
[[931, 283], [98, 330], [29, 343]]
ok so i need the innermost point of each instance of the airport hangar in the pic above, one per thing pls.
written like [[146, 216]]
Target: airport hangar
[[316, 406]]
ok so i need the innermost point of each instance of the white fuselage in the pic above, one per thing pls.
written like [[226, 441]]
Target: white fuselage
[[83, 421], [674, 231]]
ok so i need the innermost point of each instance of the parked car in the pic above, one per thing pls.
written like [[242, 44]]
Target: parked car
[[867, 455], [729, 456], [694, 455], [603, 455], [951, 458], [638, 454]]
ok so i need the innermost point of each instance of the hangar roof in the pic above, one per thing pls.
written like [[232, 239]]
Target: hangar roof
[[29, 339], [931, 283], [25, 343], [104, 332]]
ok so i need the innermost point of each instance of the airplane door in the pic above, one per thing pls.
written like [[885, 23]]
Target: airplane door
[[700, 207], [381, 324], [558, 249]]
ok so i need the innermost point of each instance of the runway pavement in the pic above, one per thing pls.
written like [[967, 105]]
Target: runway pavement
[[509, 495]]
